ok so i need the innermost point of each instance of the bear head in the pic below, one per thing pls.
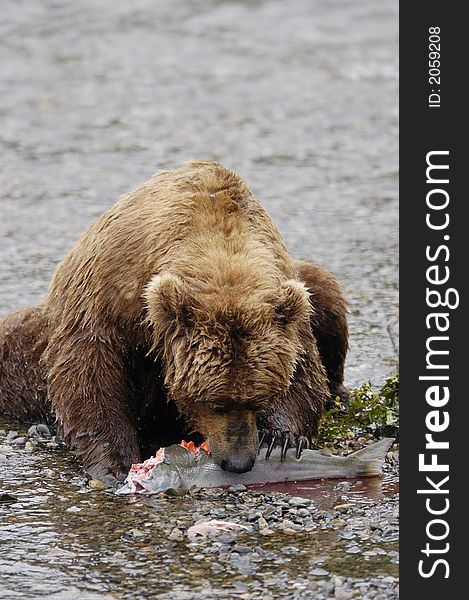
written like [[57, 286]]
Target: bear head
[[228, 357]]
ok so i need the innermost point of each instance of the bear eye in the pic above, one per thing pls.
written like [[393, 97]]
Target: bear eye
[[218, 409]]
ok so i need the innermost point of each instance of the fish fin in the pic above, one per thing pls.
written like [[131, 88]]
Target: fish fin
[[373, 456], [375, 450]]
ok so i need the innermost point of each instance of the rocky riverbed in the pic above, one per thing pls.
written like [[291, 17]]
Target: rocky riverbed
[[87, 543]]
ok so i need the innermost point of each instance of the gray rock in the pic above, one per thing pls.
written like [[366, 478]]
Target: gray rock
[[318, 572], [341, 593], [342, 486], [242, 549], [290, 549], [176, 535], [29, 447], [20, 441], [238, 487], [298, 501]]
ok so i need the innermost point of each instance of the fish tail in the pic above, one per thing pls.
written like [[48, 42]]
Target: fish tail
[[371, 457]]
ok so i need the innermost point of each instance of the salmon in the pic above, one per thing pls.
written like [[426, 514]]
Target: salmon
[[183, 467]]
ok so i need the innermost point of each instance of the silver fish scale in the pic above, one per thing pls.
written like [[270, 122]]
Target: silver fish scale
[[181, 469]]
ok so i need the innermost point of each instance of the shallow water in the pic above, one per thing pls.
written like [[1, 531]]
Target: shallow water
[[63, 540], [328, 493], [301, 99]]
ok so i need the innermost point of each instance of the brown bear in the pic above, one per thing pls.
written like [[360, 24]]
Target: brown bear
[[179, 310]]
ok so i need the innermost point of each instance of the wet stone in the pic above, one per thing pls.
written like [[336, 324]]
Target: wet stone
[[290, 549], [97, 485], [326, 585], [176, 535], [242, 549], [342, 508], [29, 447], [298, 501], [20, 441], [342, 486], [238, 487], [318, 572], [253, 516], [42, 429], [341, 593]]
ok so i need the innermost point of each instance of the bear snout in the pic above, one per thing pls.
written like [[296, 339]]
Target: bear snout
[[237, 464]]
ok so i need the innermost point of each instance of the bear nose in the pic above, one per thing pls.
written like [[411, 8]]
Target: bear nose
[[237, 465]]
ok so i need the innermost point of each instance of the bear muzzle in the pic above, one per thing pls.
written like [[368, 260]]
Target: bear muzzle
[[237, 464]]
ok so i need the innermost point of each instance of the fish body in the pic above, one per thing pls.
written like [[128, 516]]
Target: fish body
[[178, 468]]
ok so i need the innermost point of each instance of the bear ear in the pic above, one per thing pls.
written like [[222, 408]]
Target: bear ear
[[292, 303], [168, 300]]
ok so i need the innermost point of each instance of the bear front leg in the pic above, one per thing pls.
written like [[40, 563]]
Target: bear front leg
[[328, 322], [23, 338], [94, 403], [294, 420]]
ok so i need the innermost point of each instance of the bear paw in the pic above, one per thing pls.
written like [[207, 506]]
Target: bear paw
[[286, 439]]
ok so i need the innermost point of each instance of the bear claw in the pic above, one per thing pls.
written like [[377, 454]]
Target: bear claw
[[286, 439]]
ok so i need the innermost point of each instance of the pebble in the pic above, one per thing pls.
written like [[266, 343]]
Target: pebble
[[326, 585], [269, 512], [253, 516], [20, 441], [290, 549], [359, 529], [343, 486], [298, 501], [43, 430], [176, 535], [97, 485], [341, 593], [242, 549], [12, 434], [343, 507], [318, 572], [238, 487]]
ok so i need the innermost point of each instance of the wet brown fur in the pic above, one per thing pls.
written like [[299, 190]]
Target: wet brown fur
[[180, 307]]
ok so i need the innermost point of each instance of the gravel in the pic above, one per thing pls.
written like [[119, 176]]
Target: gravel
[[334, 546]]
